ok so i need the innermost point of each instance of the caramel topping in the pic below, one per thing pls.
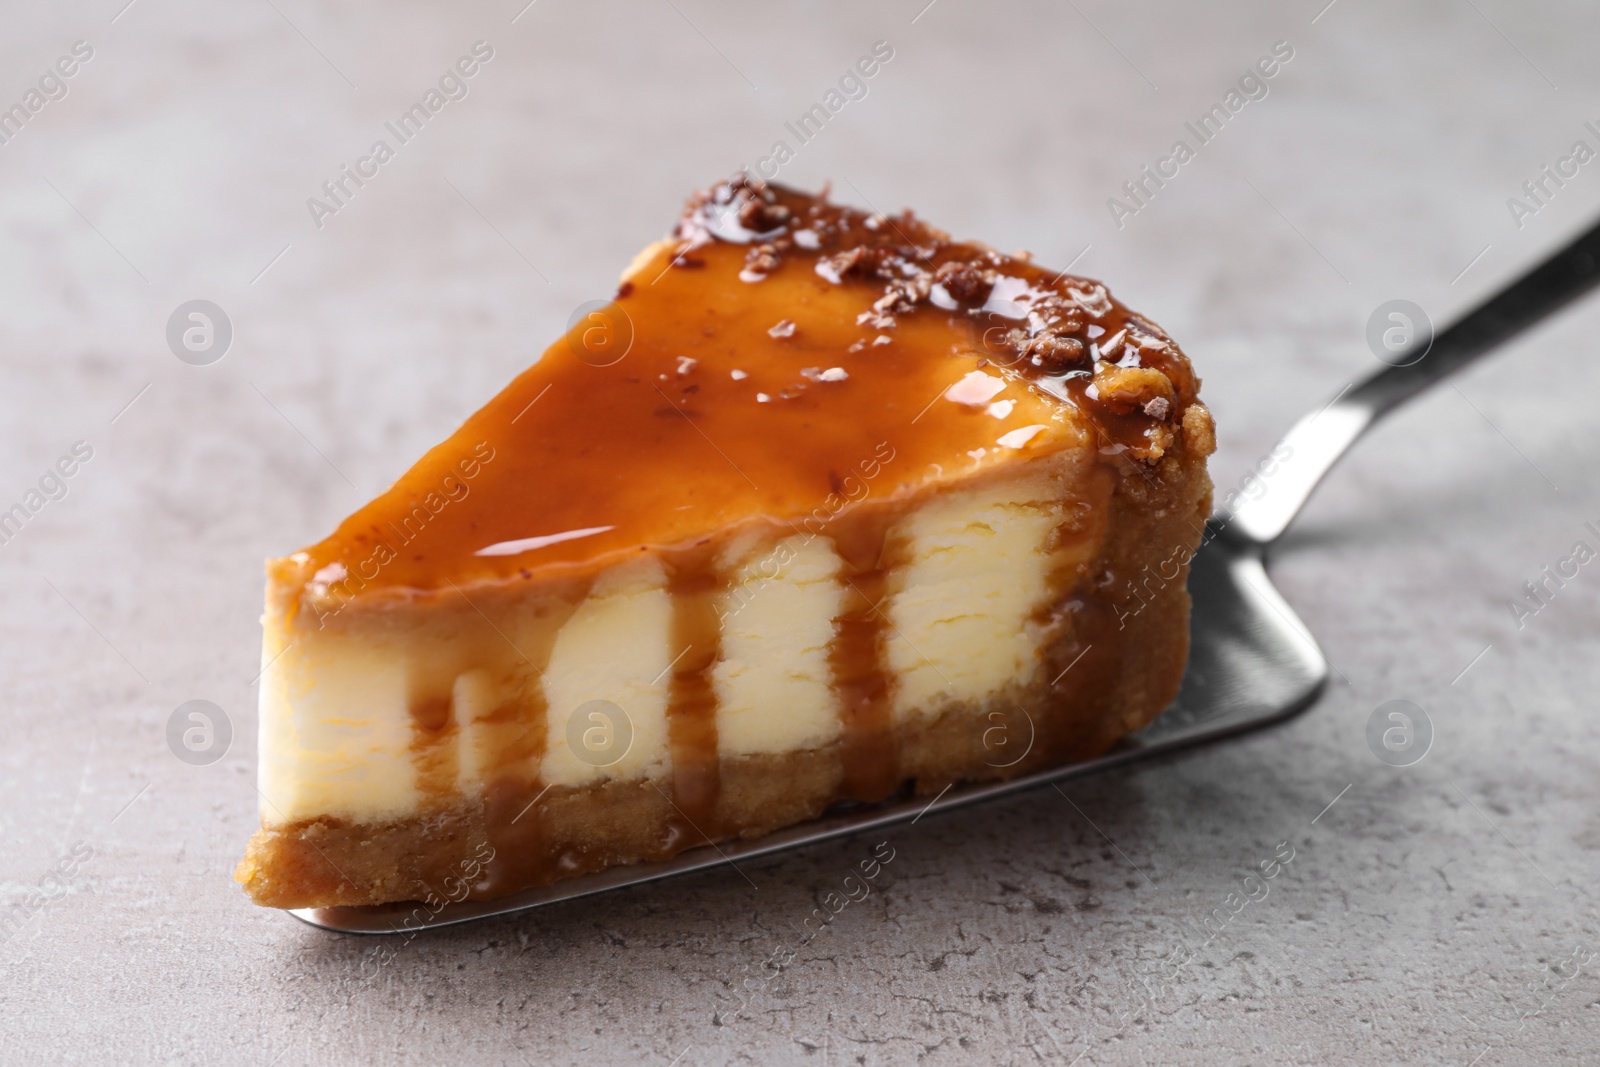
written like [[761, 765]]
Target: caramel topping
[[864, 686], [692, 699], [746, 371]]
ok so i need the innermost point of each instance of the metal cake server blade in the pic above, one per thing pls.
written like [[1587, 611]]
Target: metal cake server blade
[[1252, 662]]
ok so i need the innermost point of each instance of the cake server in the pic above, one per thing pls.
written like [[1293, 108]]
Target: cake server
[[1252, 662]]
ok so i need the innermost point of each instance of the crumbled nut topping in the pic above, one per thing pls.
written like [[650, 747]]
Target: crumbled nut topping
[[758, 213], [761, 259], [1131, 387], [1062, 331], [1053, 352], [848, 261], [967, 282]]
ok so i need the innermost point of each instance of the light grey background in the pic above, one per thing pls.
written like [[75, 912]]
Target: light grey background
[[1428, 913]]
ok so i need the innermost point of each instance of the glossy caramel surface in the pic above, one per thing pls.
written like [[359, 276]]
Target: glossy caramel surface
[[781, 354]]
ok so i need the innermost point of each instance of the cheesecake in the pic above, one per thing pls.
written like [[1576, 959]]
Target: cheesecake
[[823, 507]]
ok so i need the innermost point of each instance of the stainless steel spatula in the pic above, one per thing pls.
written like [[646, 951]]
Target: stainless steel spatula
[[1252, 662]]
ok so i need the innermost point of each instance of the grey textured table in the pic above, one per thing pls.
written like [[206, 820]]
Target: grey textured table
[[1437, 913]]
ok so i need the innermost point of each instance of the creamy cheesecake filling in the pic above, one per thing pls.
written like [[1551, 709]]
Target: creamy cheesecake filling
[[772, 682], [341, 736], [616, 648], [336, 728], [964, 612]]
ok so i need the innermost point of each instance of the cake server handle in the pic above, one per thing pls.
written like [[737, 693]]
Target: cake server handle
[[1319, 440]]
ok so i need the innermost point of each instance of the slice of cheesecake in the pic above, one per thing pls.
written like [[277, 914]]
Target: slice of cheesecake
[[823, 507]]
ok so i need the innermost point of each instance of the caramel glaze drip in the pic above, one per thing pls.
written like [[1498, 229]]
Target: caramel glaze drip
[[777, 342], [435, 743], [862, 682], [692, 699], [516, 735]]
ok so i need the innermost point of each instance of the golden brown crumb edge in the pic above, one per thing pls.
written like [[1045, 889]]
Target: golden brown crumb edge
[[1121, 669]]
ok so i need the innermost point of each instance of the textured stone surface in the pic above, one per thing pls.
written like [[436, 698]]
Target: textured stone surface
[[1434, 914]]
